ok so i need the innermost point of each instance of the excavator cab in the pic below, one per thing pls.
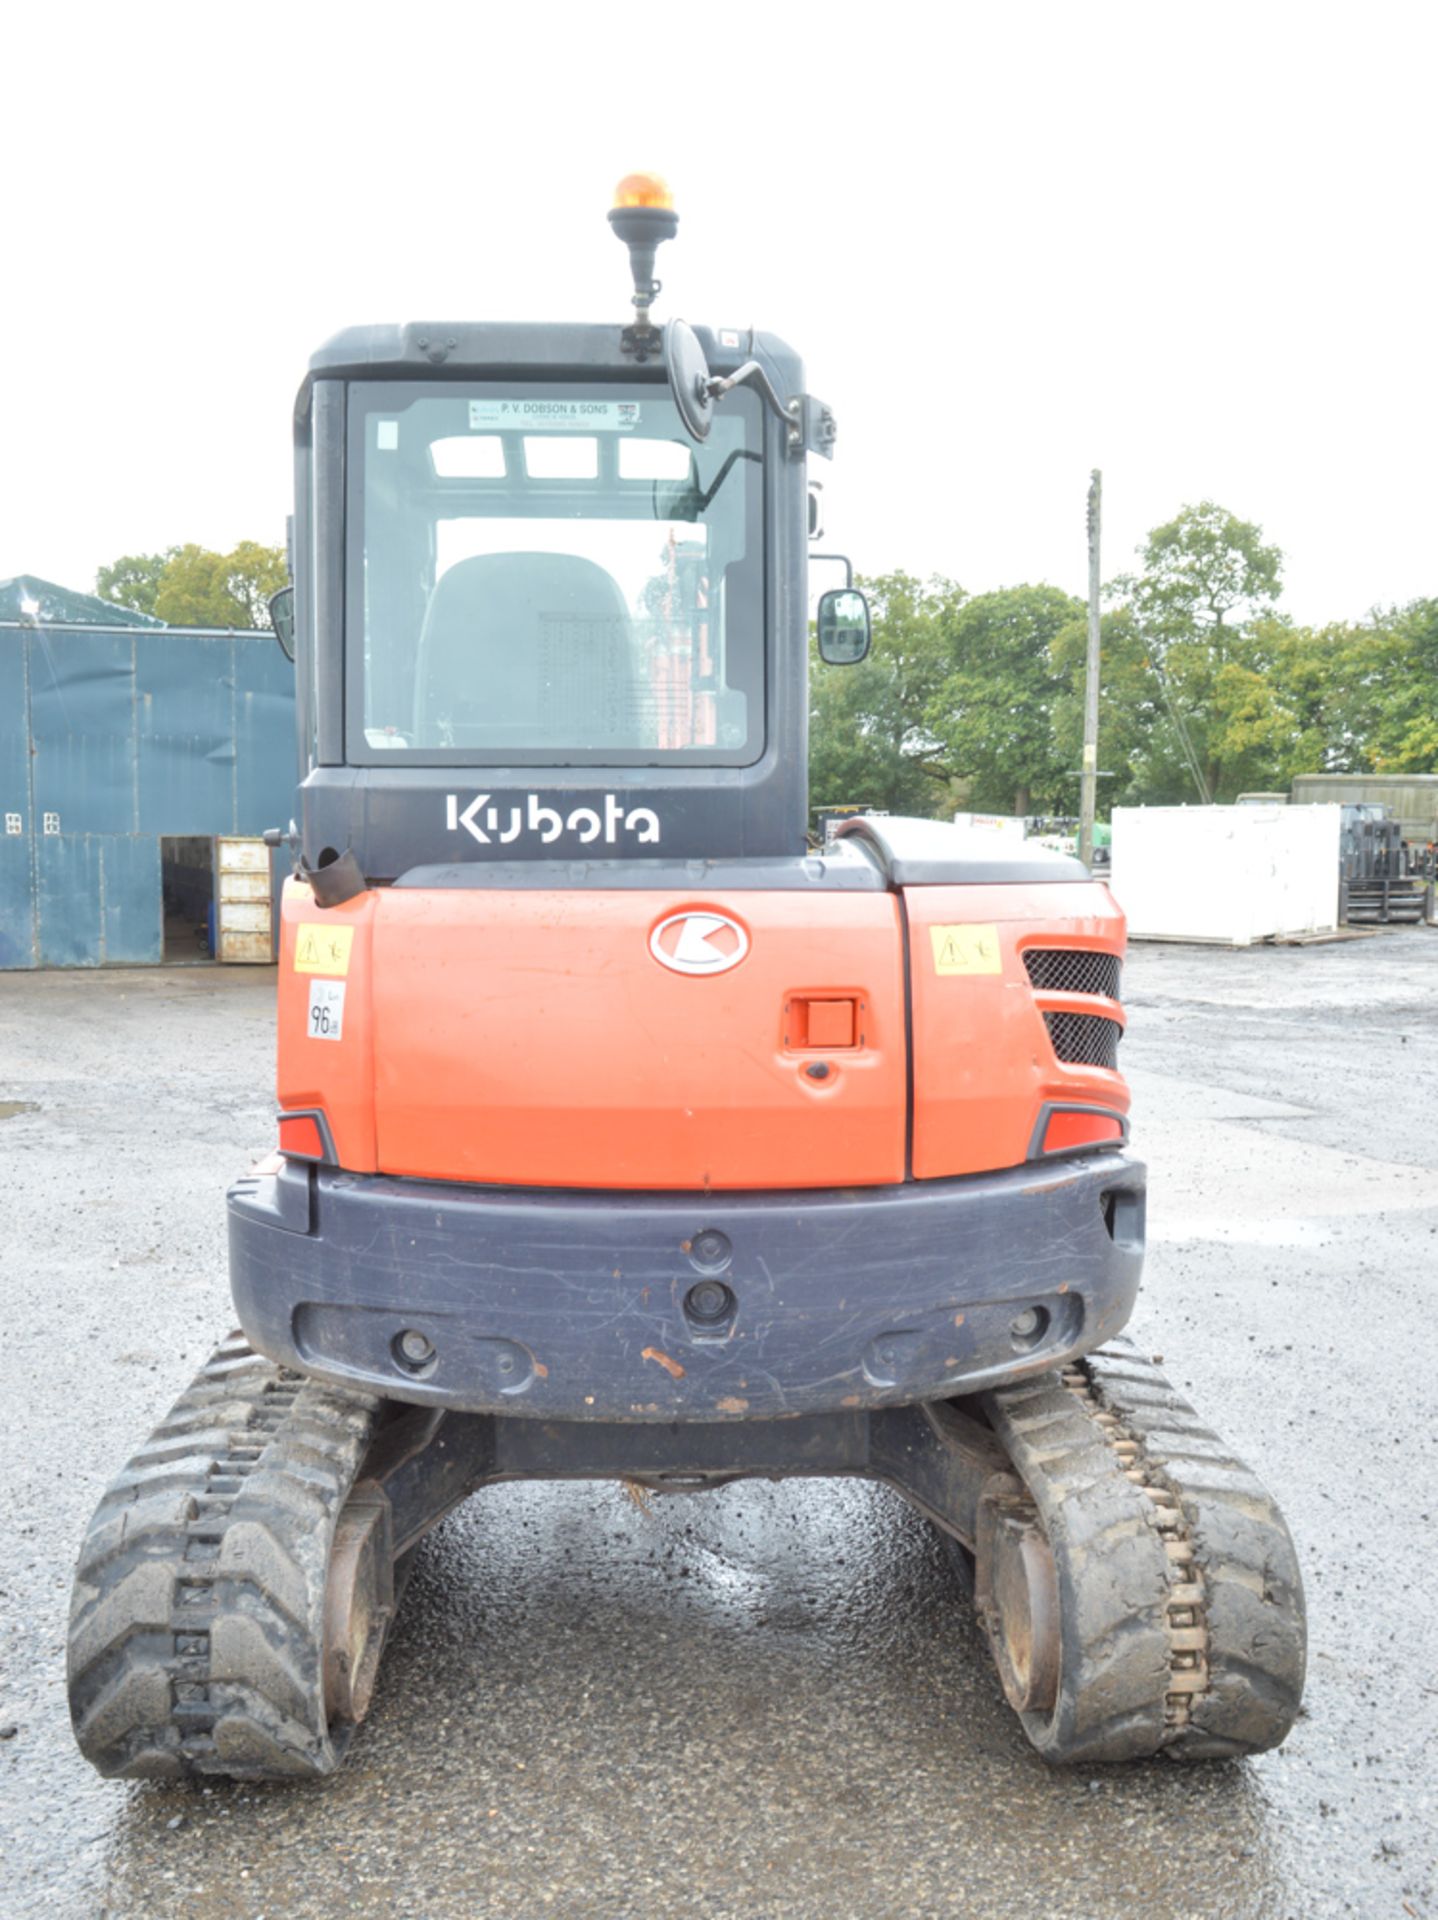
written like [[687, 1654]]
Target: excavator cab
[[624, 1134]]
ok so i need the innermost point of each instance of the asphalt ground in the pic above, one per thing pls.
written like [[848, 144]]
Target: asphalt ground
[[768, 1700]]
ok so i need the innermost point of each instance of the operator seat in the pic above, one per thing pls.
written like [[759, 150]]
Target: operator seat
[[528, 650]]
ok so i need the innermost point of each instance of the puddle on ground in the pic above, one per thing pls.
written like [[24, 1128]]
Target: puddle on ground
[[9, 1108]]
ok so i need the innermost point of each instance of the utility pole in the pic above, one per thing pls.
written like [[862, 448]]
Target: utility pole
[[1088, 792]]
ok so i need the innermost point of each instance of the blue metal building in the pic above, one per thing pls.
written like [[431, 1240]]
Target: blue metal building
[[126, 749]]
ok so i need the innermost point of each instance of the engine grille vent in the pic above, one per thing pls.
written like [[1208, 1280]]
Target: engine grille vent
[[1070, 970], [1084, 1040]]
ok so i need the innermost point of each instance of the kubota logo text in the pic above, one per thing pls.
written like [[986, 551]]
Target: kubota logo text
[[501, 822], [699, 943]]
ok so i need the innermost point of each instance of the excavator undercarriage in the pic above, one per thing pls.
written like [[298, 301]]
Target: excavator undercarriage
[[1137, 1585]]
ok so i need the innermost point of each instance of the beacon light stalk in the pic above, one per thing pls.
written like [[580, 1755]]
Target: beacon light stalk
[[643, 216]]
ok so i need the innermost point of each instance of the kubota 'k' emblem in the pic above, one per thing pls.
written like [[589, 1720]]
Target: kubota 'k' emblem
[[699, 943]]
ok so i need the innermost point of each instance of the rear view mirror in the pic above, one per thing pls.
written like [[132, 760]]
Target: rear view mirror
[[844, 630], [688, 373], [282, 619]]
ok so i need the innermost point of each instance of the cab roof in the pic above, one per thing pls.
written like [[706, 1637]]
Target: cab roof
[[505, 349]]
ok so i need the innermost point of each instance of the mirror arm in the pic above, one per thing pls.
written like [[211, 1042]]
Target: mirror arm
[[837, 559], [739, 453], [751, 374]]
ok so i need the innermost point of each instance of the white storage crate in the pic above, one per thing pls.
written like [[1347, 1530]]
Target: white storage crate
[[1227, 874], [244, 912]]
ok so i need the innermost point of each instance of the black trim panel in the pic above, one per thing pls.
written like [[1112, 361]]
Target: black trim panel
[[933, 853], [832, 871]]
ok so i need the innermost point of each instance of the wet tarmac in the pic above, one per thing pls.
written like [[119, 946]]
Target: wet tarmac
[[766, 1701]]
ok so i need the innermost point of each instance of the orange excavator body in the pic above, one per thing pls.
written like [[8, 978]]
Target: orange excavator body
[[532, 1038]]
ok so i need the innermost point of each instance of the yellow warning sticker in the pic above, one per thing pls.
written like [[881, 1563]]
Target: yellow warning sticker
[[966, 950], [323, 949]]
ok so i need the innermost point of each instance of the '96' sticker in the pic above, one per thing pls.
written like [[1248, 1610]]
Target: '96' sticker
[[327, 1009]]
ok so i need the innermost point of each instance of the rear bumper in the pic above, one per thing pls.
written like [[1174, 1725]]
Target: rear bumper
[[576, 1306]]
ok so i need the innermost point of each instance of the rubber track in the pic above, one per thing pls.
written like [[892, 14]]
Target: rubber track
[[1131, 1683], [1252, 1603], [196, 1626]]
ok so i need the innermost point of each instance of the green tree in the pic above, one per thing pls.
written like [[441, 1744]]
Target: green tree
[[1204, 571], [869, 743], [1307, 671], [191, 586], [205, 589], [134, 579], [1130, 711], [992, 717], [1400, 675], [1207, 578], [1406, 726]]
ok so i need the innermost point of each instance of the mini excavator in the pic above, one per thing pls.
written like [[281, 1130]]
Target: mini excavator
[[625, 1133]]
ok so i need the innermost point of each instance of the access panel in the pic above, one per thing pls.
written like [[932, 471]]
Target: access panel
[[593, 1038]]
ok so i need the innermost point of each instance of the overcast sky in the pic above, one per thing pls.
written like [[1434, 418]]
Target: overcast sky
[[1192, 245]]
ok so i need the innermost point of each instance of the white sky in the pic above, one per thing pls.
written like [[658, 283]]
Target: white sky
[[1191, 244]]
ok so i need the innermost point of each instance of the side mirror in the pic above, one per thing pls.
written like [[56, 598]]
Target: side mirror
[[844, 630], [282, 619], [688, 373]]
